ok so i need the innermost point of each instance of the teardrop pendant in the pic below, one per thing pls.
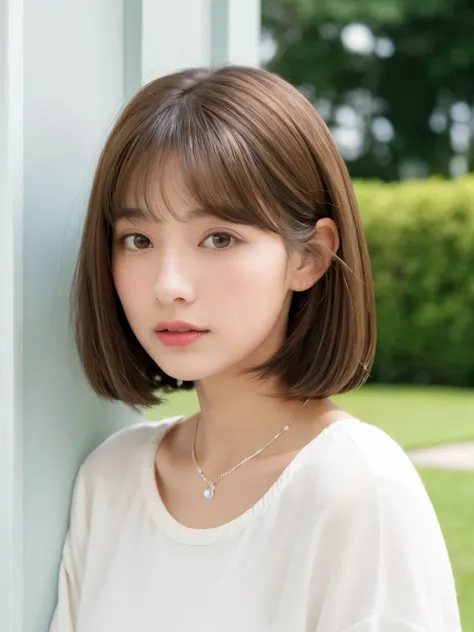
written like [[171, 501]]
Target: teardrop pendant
[[209, 492]]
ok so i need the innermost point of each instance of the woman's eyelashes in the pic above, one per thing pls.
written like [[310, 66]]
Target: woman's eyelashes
[[217, 240], [220, 240], [135, 241]]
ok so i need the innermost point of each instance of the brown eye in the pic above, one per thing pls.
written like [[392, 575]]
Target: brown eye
[[219, 241], [136, 242]]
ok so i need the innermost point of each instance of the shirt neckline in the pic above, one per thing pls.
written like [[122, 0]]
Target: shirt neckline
[[201, 537]]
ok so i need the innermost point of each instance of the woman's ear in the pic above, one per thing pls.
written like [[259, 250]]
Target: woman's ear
[[308, 269]]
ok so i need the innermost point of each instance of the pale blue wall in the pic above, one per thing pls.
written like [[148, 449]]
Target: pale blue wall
[[73, 88]]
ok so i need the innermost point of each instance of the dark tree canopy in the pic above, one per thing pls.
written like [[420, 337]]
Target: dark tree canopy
[[412, 94]]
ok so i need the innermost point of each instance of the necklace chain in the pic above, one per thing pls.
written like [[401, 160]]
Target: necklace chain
[[211, 485]]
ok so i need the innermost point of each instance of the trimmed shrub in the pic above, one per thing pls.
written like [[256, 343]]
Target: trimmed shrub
[[421, 241]]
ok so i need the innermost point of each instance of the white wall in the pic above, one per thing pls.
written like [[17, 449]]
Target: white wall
[[11, 192], [65, 70], [73, 87], [176, 34]]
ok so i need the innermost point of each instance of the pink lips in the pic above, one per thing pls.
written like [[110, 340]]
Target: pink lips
[[178, 333]]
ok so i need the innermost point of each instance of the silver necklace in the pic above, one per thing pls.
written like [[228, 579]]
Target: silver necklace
[[211, 485]]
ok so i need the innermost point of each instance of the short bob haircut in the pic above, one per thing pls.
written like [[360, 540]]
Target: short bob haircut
[[252, 150]]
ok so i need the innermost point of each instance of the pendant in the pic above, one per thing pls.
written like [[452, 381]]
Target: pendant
[[209, 492]]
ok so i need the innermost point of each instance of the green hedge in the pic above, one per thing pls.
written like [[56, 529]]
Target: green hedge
[[421, 241]]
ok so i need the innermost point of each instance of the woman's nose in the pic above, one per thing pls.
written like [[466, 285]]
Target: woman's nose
[[173, 280]]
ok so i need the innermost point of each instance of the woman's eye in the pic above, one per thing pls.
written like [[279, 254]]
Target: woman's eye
[[136, 242], [219, 241]]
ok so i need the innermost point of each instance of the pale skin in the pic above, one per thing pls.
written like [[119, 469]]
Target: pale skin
[[235, 281]]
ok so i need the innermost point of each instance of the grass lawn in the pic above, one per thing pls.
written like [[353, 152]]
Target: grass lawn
[[415, 418], [452, 494]]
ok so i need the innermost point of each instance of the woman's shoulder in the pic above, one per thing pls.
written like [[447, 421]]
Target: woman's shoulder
[[125, 448], [356, 456]]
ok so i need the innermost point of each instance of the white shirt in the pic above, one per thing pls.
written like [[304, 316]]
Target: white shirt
[[345, 541]]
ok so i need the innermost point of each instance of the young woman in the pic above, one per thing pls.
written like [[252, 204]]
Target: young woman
[[223, 250]]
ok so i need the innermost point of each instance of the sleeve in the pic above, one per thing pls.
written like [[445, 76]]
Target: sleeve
[[384, 565], [72, 562]]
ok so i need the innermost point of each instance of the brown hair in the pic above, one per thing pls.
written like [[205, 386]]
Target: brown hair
[[253, 150]]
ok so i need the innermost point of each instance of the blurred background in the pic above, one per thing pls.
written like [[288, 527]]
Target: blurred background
[[393, 78]]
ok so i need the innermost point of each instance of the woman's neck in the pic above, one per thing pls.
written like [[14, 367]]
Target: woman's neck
[[239, 416]]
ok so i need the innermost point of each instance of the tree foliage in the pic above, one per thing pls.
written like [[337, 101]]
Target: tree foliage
[[414, 89]]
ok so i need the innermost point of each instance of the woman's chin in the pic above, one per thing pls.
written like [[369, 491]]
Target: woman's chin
[[186, 374]]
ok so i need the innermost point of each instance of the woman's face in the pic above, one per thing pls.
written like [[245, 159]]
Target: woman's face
[[232, 283]]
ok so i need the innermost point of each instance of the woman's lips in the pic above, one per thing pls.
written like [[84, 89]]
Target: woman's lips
[[179, 338]]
